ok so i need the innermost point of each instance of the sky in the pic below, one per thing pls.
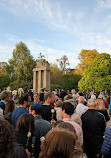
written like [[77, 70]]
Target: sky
[[55, 27]]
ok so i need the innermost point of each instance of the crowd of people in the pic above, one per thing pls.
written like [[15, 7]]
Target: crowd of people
[[56, 124]]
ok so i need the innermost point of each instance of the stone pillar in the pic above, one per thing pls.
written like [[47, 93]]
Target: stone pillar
[[39, 80], [34, 81], [41, 76]]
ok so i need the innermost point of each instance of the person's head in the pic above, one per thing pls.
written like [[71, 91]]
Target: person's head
[[91, 93], [59, 143], [87, 90], [100, 104], [67, 110], [25, 100], [5, 95], [80, 93], [36, 97], [6, 138], [63, 89], [91, 104], [34, 110], [67, 97], [93, 97], [49, 97], [9, 107], [73, 102], [81, 99], [59, 103], [73, 91], [67, 126], [57, 123], [100, 96], [26, 123]]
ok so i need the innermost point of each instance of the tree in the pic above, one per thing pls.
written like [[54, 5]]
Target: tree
[[98, 74], [63, 80], [56, 76], [63, 62], [85, 57], [70, 81], [4, 81], [21, 65], [3, 68]]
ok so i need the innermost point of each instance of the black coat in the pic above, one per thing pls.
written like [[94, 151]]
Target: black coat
[[8, 117], [105, 113], [46, 113], [93, 125], [21, 138], [17, 152], [63, 94]]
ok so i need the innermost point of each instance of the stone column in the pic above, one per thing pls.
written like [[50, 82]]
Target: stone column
[[39, 80], [34, 81], [41, 76], [44, 78]]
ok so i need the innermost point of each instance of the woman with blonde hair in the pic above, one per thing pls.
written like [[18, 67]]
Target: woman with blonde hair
[[101, 108], [60, 143]]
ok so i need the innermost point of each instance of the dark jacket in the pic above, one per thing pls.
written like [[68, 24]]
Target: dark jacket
[[46, 113], [21, 138], [63, 94], [17, 152], [106, 147], [8, 117], [41, 96], [93, 125], [42, 127], [105, 113]]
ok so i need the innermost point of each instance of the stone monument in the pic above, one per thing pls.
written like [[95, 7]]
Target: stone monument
[[41, 76]]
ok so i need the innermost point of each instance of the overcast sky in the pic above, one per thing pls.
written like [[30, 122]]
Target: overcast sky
[[55, 27]]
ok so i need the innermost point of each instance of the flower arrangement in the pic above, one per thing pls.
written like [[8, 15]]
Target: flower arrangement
[[14, 92], [20, 91], [8, 89]]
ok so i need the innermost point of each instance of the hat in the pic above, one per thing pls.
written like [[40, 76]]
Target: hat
[[38, 105]]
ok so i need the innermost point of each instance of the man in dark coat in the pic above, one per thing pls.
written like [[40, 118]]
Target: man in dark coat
[[93, 125]]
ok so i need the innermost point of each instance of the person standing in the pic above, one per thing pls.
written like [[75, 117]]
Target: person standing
[[66, 112], [24, 102], [81, 108], [93, 126], [42, 127], [4, 96], [46, 107]]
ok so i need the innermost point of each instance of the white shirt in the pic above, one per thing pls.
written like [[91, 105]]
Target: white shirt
[[81, 109]]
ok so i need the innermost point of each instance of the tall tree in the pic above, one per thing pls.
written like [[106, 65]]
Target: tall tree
[[63, 62], [85, 57], [22, 63], [98, 74], [3, 68]]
